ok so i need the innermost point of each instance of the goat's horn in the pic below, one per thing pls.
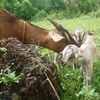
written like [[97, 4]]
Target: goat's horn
[[58, 26]]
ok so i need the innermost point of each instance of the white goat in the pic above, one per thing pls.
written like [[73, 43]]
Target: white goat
[[78, 36], [84, 55]]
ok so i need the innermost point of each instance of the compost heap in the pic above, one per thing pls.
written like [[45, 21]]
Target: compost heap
[[36, 69]]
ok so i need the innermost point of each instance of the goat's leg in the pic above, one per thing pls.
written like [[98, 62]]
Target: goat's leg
[[74, 66], [81, 67], [84, 74], [55, 57], [88, 75], [88, 82]]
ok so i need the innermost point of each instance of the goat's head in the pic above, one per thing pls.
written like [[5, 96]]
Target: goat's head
[[79, 34], [63, 33], [70, 53]]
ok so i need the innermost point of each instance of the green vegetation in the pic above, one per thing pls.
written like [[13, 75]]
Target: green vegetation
[[72, 80], [56, 9], [8, 77], [3, 49]]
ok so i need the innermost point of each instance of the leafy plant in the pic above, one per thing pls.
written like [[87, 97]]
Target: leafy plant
[[89, 94], [3, 49], [8, 77]]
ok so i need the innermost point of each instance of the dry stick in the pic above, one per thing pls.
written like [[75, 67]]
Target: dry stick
[[52, 86]]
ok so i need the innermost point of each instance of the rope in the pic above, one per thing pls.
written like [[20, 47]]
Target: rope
[[24, 32]]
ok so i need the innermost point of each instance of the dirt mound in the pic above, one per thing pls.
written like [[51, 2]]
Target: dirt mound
[[40, 76]]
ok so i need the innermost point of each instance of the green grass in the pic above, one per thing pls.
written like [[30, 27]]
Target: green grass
[[71, 24], [71, 80]]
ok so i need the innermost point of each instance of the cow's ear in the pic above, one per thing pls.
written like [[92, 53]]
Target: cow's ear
[[79, 57]]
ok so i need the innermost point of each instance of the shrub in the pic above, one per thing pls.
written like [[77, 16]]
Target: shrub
[[40, 15]]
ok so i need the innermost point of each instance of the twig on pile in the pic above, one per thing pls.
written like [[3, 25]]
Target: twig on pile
[[52, 86]]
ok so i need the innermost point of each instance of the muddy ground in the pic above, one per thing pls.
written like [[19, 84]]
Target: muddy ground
[[37, 70]]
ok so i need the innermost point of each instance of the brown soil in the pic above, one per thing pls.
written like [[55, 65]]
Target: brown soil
[[34, 84]]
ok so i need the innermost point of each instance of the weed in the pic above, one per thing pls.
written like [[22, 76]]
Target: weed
[[3, 49], [9, 77], [89, 94]]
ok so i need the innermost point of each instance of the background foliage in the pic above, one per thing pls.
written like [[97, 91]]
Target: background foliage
[[29, 9]]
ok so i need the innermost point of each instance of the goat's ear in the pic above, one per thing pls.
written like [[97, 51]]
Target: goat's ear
[[79, 57], [89, 33], [61, 52], [56, 37]]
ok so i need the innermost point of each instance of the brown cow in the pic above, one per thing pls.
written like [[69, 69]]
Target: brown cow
[[11, 26]]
